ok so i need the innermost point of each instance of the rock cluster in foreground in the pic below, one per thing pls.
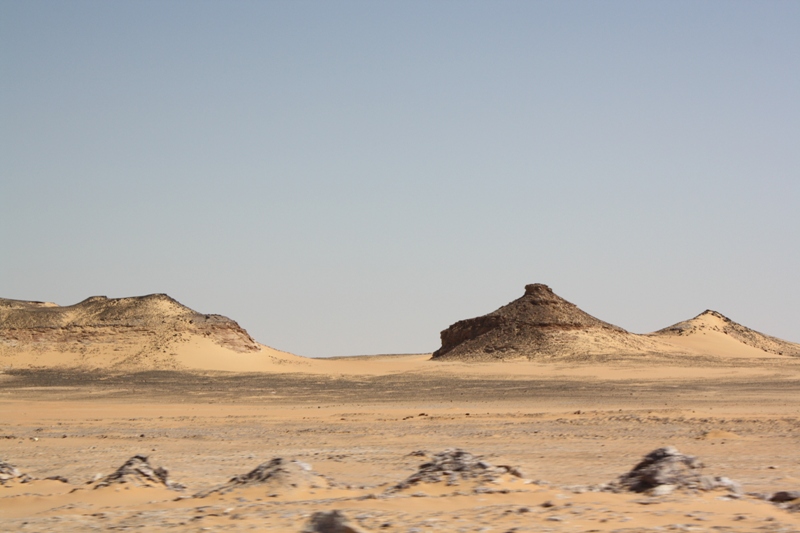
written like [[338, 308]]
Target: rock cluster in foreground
[[658, 474], [275, 476], [454, 465], [138, 472], [666, 469]]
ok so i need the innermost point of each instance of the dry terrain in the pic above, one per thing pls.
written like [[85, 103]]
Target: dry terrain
[[141, 414], [567, 429]]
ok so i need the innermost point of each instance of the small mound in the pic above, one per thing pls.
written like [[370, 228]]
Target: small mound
[[9, 472], [138, 472], [277, 475], [666, 469], [719, 434], [453, 466]]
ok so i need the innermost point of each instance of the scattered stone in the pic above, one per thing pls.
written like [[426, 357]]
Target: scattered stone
[[277, 475], [663, 470], [330, 522], [721, 482], [138, 472], [784, 496], [9, 472], [454, 465]]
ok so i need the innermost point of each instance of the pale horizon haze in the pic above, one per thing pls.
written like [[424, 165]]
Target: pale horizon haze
[[346, 178]]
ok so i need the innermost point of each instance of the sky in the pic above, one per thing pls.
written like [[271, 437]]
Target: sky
[[346, 178]]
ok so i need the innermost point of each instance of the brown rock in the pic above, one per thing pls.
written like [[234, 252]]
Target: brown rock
[[539, 324]]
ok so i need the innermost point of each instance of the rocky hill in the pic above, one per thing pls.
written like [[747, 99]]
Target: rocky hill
[[138, 331], [539, 325]]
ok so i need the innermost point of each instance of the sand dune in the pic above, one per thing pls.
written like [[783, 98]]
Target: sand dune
[[711, 332]]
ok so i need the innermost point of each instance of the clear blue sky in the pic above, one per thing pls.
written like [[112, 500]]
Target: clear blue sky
[[353, 177]]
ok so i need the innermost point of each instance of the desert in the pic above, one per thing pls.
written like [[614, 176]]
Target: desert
[[141, 414], [406, 267]]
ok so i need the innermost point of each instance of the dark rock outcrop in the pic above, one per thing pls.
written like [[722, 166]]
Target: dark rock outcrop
[[539, 324]]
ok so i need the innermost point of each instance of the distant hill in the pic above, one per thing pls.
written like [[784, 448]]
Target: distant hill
[[144, 332], [541, 326], [712, 329]]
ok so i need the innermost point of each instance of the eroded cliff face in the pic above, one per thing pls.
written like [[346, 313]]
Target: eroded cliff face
[[540, 324], [133, 329]]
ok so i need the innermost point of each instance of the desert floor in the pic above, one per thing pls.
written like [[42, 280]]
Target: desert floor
[[368, 423]]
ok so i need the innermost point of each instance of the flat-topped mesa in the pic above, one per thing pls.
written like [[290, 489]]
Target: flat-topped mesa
[[144, 324], [715, 323], [538, 324]]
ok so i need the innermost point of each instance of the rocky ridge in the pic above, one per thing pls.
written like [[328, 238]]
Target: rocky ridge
[[141, 329]]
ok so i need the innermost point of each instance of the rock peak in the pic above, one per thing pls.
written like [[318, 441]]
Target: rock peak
[[711, 312], [541, 294], [534, 289]]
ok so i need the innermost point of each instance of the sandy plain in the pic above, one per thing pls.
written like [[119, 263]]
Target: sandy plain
[[369, 422]]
